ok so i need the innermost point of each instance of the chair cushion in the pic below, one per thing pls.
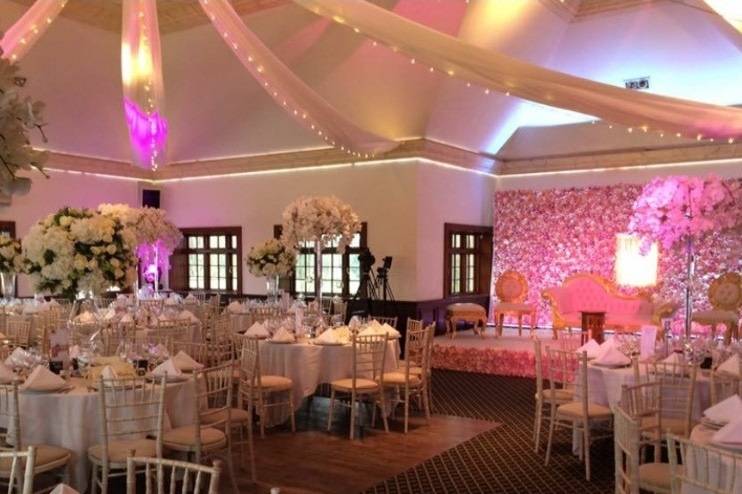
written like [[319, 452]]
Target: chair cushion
[[118, 451], [398, 377], [215, 415], [714, 316], [418, 371], [47, 458], [275, 382], [184, 438], [674, 425], [574, 409], [562, 395], [507, 307], [361, 384], [655, 475]]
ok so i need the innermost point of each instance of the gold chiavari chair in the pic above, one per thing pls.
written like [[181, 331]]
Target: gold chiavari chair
[[366, 380], [152, 304], [263, 391], [131, 415], [204, 440], [565, 368], [564, 394], [161, 476], [80, 333], [412, 325], [49, 458], [407, 383], [18, 469], [706, 468], [170, 332], [391, 321], [18, 330], [631, 475]]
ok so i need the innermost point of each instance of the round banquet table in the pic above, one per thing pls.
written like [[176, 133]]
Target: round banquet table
[[309, 365], [716, 469], [72, 420]]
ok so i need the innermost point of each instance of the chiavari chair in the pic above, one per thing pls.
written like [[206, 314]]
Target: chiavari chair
[[48, 458], [18, 330], [161, 476], [18, 468], [261, 391], [567, 368], [678, 382], [564, 394], [702, 467], [152, 304], [210, 434], [366, 381], [722, 384], [643, 402], [131, 415], [630, 474], [81, 333], [407, 383], [391, 321]]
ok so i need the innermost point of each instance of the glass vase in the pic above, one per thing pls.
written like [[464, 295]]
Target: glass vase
[[272, 289], [7, 279], [318, 275]]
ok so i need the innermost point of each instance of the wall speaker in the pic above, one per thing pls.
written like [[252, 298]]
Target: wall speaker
[[150, 198]]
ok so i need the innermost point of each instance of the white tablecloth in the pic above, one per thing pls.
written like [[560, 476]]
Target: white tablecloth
[[716, 469], [309, 365], [72, 420]]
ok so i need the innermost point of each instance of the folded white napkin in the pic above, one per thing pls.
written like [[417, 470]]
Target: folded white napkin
[[42, 379], [331, 337], [283, 335], [168, 367], [591, 347], [725, 411], [375, 328], [85, 318], [126, 319], [257, 330], [190, 297], [730, 365], [729, 434], [186, 314], [675, 359], [29, 309], [6, 374], [64, 489], [235, 307], [185, 363], [612, 357], [390, 331], [17, 358]]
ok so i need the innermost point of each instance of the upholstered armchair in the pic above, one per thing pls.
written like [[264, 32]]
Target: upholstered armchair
[[512, 289], [725, 295], [594, 293]]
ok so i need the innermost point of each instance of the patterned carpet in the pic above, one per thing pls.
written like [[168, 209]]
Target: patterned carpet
[[501, 460]]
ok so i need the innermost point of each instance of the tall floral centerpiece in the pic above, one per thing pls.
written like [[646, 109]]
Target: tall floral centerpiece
[[156, 237], [11, 263], [271, 259], [319, 222], [79, 250], [680, 209]]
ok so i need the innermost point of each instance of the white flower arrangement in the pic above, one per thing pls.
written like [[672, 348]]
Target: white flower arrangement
[[11, 257], [77, 250], [322, 220], [271, 258]]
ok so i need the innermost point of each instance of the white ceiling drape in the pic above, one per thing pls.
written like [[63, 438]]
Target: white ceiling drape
[[28, 29], [288, 90], [141, 74], [730, 10], [501, 73]]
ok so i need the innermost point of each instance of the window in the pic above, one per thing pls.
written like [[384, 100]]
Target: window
[[341, 271], [210, 259], [467, 261]]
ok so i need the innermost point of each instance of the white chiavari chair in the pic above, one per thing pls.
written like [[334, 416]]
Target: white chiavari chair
[[564, 394], [18, 468], [408, 384], [631, 475], [722, 384], [161, 476], [567, 368], [131, 414], [18, 330], [392, 321], [366, 380], [49, 458], [643, 402], [210, 434], [262, 390], [696, 467], [678, 392]]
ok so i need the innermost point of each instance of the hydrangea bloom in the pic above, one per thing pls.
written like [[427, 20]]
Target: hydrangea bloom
[[319, 219], [11, 259], [271, 258]]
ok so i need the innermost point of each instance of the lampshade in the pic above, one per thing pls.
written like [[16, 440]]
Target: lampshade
[[633, 268]]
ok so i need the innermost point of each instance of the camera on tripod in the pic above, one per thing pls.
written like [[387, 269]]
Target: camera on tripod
[[374, 287]]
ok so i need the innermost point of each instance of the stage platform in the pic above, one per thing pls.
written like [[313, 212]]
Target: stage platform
[[509, 355]]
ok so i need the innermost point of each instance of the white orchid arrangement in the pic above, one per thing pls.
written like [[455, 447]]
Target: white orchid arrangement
[[11, 256], [18, 117], [77, 250], [322, 220], [271, 258]]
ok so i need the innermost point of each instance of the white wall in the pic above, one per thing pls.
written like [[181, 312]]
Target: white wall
[[63, 189]]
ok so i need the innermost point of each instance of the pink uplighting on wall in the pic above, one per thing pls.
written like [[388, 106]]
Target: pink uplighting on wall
[[548, 235]]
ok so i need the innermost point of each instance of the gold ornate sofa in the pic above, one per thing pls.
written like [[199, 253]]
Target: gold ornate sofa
[[594, 293]]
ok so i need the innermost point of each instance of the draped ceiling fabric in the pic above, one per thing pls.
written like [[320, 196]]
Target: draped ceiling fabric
[[730, 10], [290, 92], [508, 75], [141, 73], [28, 29]]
